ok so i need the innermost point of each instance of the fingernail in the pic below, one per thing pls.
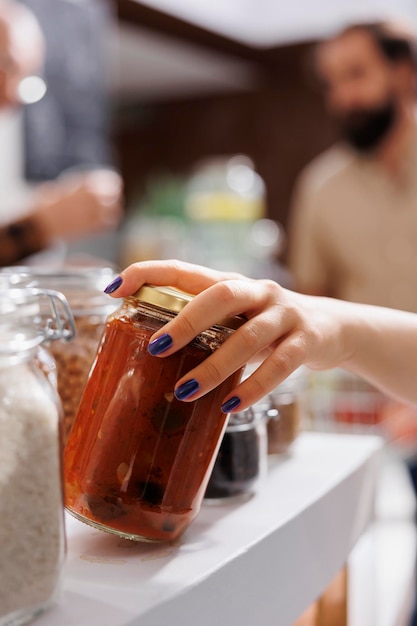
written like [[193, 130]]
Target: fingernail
[[230, 404], [157, 346], [115, 284], [187, 389]]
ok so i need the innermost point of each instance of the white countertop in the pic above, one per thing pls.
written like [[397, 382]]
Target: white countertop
[[260, 561]]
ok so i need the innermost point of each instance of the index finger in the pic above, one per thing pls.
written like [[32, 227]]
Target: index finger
[[184, 276], [219, 304]]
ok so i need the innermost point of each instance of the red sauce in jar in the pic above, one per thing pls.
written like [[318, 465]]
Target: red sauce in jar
[[137, 461]]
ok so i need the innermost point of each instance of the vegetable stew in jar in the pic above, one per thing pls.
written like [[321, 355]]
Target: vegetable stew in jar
[[138, 460]]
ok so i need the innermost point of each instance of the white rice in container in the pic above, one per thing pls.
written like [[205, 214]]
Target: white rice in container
[[32, 541]]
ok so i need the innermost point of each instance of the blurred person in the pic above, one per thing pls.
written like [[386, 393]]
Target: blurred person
[[75, 204], [353, 222]]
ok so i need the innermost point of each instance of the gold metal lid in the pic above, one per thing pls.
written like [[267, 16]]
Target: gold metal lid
[[175, 300]]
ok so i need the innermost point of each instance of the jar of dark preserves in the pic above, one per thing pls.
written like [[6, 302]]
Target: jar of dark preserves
[[138, 460], [241, 462]]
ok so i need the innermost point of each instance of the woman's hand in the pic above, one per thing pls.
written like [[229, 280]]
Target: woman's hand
[[283, 329]]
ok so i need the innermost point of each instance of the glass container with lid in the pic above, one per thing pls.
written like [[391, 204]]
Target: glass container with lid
[[241, 462], [31, 495], [83, 288], [138, 460], [284, 411]]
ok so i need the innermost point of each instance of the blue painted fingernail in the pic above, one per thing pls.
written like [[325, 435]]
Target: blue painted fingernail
[[187, 389], [157, 346], [230, 404], [115, 284]]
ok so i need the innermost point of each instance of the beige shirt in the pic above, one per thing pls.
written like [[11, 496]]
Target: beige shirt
[[353, 230]]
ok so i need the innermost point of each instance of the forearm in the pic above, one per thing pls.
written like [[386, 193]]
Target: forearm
[[383, 348]]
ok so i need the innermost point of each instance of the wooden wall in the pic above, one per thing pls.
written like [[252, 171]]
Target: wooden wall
[[280, 123]]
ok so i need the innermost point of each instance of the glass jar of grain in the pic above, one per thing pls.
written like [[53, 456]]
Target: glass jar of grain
[[31, 494], [83, 288]]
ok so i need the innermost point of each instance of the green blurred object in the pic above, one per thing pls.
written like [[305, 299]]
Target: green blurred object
[[164, 195], [216, 216], [156, 223]]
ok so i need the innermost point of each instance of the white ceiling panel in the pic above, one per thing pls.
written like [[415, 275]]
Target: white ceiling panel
[[267, 23], [147, 65]]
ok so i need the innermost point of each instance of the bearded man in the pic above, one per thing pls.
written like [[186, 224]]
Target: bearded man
[[353, 224]]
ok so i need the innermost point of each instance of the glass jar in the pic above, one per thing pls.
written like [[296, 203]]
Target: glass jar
[[242, 459], [356, 404], [283, 409], [138, 460], [31, 487], [224, 200], [83, 288]]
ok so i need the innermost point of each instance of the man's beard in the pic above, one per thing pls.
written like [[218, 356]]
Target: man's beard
[[365, 129]]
